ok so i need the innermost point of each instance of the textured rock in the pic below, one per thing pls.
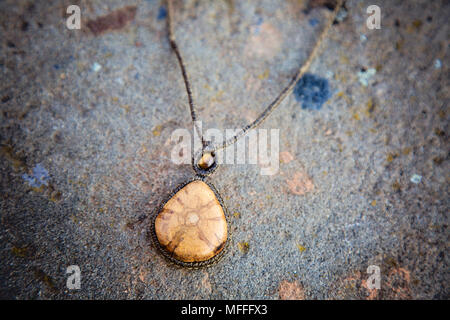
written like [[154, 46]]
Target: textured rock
[[103, 136]]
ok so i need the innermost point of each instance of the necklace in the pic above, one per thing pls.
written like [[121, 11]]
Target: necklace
[[190, 227]]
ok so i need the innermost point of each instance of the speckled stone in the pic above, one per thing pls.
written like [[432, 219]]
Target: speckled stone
[[85, 154]]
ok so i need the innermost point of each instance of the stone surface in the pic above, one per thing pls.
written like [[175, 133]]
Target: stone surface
[[192, 224], [102, 136]]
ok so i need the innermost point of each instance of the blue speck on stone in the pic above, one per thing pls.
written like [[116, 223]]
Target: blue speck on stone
[[96, 67], [313, 22], [56, 66], [258, 24], [312, 91], [437, 64], [259, 21], [416, 178], [162, 13], [341, 15], [38, 177]]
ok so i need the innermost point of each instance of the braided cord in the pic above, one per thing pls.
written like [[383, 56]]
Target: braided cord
[[271, 107]]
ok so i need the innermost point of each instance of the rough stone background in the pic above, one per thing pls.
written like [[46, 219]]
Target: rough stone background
[[87, 115]]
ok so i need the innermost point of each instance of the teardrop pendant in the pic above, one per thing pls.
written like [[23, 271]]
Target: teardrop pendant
[[190, 228]]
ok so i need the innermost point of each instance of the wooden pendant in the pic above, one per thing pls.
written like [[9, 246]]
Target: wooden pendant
[[191, 226]]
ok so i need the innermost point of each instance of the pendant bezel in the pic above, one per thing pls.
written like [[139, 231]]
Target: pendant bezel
[[200, 171], [168, 255]]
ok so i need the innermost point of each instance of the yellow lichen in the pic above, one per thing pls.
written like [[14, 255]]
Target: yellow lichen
[[399, 45], [157, 131], [244, 246], [369, 107], [417, 24], [264, 75], [396, 186], [439, 132], [19, 252], [406, 151], [391, 156], [344, 59], [55, 196], [126, 107]]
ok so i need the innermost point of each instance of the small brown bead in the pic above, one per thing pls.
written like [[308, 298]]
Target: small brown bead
[[206, 161], [192, 225]]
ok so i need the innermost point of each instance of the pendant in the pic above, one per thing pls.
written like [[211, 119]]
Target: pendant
[[190, 228]]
